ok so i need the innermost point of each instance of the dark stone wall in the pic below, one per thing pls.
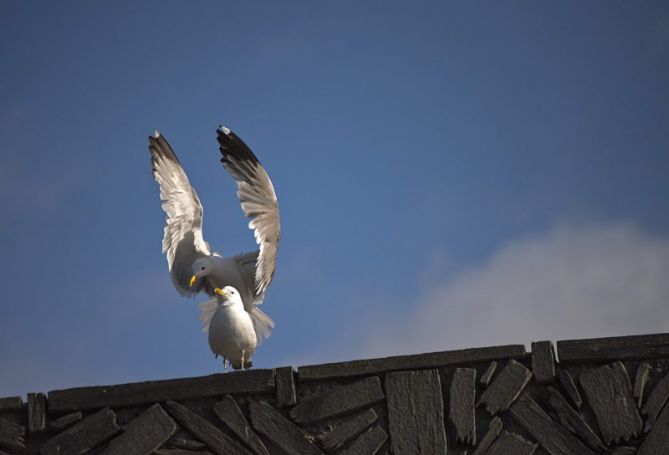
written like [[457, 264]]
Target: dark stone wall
[[605, 396]]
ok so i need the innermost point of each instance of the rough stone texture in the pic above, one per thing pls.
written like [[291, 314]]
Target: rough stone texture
[[338, 401], [552, 436], [569, 386], [219, 442], [494, 429], [269, 422], [609, 393], [144, 434], [640, 382], [179, 452], [228, 411], [83, 436], [656, 401], [543, 362], [65, 421], [487, 375], [511, 444], [639, 347], [187, 444], [10, 404], [12, 435], [383, 406], [36, 412], [285, 387], [462, 400], [367, 443], [624, 451], [85, 398], [657, 441], [344, 432], [506, 387], [416, 412], [574, 421], [410, 362]]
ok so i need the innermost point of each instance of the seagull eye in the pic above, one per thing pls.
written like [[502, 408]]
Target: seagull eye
[[202, 268]]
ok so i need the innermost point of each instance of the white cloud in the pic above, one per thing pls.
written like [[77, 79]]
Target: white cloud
[[571, 282]]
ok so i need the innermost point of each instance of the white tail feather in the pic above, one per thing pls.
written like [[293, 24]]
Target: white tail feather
[[207, 310], [262, 323]]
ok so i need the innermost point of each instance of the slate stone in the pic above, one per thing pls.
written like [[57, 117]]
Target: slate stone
[[494, 429], [573, 420], [228, 411], [281, 431], [285, 387], [347, 430], [609, 392], [83, 436], [410, 362], [640, 381], [552, 436], [219, 442], [657, 440], [65, 421], [338, 401], [462, 400], [624, 451], [86, 398], [639, 347], [12, 435], [415, 412], [656, 401], [569, 386], [512, 444], [179, 452], [506, 387], [543, 362], [367, 443], [146, 433], [487, 376], [10, 404], [36, 412], [183, 443]]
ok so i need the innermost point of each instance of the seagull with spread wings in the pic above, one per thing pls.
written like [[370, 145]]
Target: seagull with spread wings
[[193, 267]]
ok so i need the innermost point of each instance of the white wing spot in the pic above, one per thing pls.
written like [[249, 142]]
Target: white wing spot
[[225, 130], [156, 134]]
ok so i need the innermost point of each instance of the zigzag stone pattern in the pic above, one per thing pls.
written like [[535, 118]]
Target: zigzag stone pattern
[[581, 397]]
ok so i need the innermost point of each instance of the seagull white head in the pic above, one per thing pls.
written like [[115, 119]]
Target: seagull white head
[[200, 268], [230, 294]]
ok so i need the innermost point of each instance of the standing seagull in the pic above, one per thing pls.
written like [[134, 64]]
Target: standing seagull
[[193, 266]]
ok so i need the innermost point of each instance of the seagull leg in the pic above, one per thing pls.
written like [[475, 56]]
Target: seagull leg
[[225, 365], [242, 360]]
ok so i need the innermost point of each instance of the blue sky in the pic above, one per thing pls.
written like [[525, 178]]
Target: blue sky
[[449, 174]]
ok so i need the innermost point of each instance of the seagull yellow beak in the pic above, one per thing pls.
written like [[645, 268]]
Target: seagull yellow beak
[[219, 291], [192, 281]]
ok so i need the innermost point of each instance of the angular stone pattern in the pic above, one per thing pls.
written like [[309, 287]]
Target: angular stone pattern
[[609, 392], [85, 435], [595, 400], [338, 401], [344, 432], [462, 400], [506, 387], [144, 434], [228, 411], [543, 362], [416, 412]]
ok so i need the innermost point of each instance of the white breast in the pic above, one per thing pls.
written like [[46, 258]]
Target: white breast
[[231, 332]]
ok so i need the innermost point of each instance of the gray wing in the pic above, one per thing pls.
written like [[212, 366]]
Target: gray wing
[[258, 199], [182, 239]]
